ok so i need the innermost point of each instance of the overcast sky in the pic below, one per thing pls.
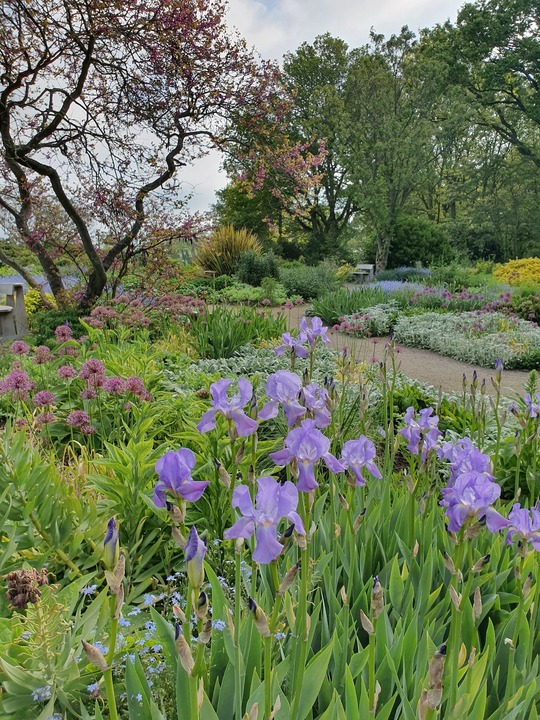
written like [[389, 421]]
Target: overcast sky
[[275, 27]]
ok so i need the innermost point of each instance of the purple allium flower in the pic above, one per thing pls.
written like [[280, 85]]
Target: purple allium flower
[[523, 523], [78, 418], [306, 445], [114, 386], [92, 368], [43, 397], [317, 401], [195, 550], [231, 409], [66, 371], [63, 333], [470, 495], [174, 471], [88, 394], [283, 387], [533, 408], [316, 330], [88, 429], [42, 355], [45, 418], [294, 345], [136, 387], [18, 383], [358, 454], [422, 431], [19, 347], [273, 502], [110, 545]]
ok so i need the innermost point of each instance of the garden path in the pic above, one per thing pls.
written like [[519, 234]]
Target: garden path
[[423, 365]]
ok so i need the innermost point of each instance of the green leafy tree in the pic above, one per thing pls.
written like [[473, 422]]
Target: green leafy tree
[[493, 53], [390, 98]]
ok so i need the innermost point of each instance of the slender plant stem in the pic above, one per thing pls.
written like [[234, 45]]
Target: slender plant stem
[[301, 628], [452, 675], [237, 660], [371, 669], [108, 673]]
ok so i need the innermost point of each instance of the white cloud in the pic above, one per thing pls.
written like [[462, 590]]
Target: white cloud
[[275, 27]]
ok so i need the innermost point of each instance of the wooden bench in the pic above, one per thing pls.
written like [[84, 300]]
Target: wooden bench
[[363, 273], [13, 320]]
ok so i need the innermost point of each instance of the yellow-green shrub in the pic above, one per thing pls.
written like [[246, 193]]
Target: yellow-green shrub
[[517, 272], [221, 252], [33, 301]]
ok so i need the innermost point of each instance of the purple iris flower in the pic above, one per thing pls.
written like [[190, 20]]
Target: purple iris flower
[[420, 431], [195, 550], [231, 409], [174, 470], [316, 330], [273, 503], [307, 445], [294, 345], [316, 400], [532, 406], [470, 495], [358, 454], [521, 522], [464, 457], [283, 387]]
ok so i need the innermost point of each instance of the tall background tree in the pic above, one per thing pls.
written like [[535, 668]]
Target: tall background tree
[[102, 102]]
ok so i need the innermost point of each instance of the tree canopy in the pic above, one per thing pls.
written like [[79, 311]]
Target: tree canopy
[[102, 102]]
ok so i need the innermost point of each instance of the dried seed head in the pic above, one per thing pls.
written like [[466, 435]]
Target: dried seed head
[[240, 454], [119, 603], [94, 656], [477, 605], [359, 519], [177, 536], [480, 564], [201, 609], [527, 585], [436, 671], [179, 614], [206, 632], [183, 649], [177, 514], [366, 623], [23, 587], [377, 598], [448, 563], [455, 597], [288, 579], [259, 617], [223, 475]]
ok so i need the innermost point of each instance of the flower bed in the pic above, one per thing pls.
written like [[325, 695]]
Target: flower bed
[[478, 338], [286, 546]]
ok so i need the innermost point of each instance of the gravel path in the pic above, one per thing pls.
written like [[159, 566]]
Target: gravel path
[[423, 365]]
